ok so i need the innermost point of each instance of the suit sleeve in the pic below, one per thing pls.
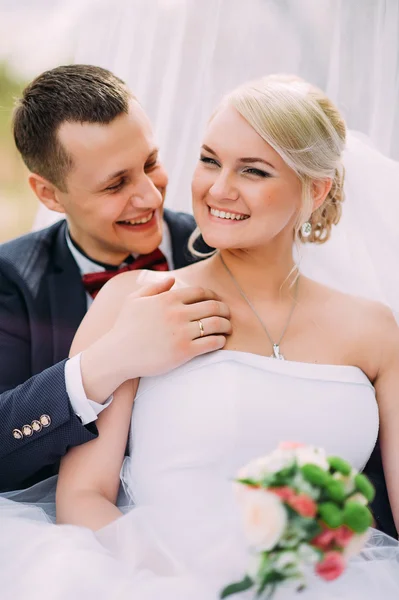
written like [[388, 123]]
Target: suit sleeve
[[37, 422]]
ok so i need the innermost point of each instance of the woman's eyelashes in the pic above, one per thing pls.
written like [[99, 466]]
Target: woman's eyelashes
[[207, 160], [257, 172]]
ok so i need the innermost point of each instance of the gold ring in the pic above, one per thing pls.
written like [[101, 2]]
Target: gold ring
[[201, 328]]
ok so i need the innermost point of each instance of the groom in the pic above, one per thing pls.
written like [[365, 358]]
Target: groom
[[90, 151]]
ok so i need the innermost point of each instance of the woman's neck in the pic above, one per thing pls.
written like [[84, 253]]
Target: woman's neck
[[260, 273]]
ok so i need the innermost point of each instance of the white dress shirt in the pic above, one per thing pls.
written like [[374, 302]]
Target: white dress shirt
[[87, 410]]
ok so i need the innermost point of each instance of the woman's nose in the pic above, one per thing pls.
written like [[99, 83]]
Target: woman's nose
[[223, 188]]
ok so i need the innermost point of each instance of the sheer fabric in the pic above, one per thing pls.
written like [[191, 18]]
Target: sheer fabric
[[192, 429], [180, 57]]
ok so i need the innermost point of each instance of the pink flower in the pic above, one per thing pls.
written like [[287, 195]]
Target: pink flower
[[290, 445], [284, 492], [304, 505], [324, 540], [331, 567], [343, 536]]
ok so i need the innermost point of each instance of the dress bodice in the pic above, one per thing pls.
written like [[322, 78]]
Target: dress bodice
[[191, 431], [194, 427]]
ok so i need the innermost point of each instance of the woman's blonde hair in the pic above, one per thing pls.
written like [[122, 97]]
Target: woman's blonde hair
[[305, 128]]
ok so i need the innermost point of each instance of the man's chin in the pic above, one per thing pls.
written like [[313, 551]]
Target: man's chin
[[147, 246], [143, 242]]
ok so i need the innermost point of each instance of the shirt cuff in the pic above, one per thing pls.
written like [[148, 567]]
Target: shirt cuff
[[86, 410]]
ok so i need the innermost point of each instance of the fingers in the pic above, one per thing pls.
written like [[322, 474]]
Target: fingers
[[191, 295], [154, 289], [210, 326], [206, 344], [208, 308]]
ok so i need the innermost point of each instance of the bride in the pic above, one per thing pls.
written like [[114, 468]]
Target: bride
[[302, 361]]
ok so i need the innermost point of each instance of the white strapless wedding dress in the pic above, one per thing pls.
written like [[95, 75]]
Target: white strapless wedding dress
[[191, 431]]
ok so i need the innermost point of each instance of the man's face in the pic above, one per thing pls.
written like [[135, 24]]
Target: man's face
[[115, 188]]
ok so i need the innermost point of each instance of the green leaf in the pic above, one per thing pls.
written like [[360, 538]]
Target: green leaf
[[336, 490], [250, 482], [357, 517], [235, 588], [365, 487], [288, 471], [331, 514], [271, 580], [315, 474], [306, 525], [263, 588], [340, 465]]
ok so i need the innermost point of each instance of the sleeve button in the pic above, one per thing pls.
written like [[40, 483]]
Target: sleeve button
[[45, 420], [27, 430]]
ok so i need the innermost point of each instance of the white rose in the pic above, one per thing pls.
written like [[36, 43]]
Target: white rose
[[253, 470], [359, 498], [312, 455], [355, 545], [264, 518], [278, 460], [274, 462]]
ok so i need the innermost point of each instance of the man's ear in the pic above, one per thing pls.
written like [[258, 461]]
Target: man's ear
[[320, 189], [46, 192]]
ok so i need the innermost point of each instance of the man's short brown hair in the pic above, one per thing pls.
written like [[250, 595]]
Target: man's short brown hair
[[74, 93]]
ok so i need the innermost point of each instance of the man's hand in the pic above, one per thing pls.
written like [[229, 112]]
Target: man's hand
[[156, 330]]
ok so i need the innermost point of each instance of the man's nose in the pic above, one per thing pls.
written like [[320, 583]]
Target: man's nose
[[146, 195]]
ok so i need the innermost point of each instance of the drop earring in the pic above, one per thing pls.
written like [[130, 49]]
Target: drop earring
[[306, 229]]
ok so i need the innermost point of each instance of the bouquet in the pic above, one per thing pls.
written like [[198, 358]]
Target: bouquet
[[301, 510]]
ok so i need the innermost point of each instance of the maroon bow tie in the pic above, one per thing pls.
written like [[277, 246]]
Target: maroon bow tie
[[156, 261]]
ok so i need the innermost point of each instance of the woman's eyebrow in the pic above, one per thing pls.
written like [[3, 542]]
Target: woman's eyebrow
[[246, 159]]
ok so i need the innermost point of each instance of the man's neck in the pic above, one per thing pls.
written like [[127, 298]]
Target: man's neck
[[108, 267]]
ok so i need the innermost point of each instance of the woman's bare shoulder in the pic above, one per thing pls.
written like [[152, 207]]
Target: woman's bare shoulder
[[371, 311], [108, 303], [118, 288], [369, 323]]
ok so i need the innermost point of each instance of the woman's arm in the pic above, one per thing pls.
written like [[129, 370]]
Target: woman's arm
[[88, 481], [89, 474], [387, 390]]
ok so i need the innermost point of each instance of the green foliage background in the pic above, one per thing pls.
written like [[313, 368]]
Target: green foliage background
[[18, 205]]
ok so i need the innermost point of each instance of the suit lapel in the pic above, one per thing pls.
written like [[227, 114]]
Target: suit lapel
[[180, 225], [67, 297]]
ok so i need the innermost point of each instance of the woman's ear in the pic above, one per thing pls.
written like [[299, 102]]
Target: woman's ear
[[46, 192], [320, 190]]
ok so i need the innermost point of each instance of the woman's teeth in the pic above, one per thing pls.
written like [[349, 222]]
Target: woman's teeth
[[138, 221], [221, 214]]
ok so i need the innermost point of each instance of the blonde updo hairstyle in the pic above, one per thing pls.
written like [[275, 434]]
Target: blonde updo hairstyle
[[305, 128]]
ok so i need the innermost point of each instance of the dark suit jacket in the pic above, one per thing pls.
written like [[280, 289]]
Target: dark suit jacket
[[42, 302]]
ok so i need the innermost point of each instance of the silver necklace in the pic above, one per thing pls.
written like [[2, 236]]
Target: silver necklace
[[275, 345]]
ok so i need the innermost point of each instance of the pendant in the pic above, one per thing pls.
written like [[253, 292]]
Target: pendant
[[276, 352]]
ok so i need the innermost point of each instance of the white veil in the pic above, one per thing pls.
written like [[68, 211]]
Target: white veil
[[362, 255]]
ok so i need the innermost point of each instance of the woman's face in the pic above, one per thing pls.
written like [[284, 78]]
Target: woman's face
[[244, 195]]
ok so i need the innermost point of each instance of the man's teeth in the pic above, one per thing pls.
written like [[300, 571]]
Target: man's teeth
[[138, 221], [226, 215]]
